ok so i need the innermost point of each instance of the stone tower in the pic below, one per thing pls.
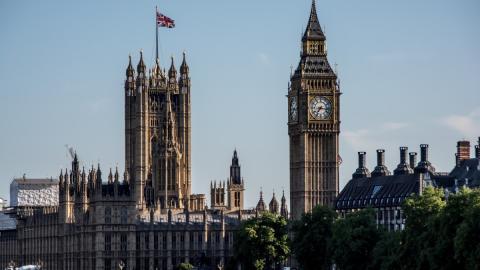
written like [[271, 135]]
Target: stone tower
[[313, 124], [235, 185], [157, 134], [234, 188]]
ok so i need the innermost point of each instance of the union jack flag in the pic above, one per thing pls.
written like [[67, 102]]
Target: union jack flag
[[164, 21]]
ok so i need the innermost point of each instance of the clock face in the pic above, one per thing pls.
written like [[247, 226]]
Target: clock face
[[293, 109], [320, 108]]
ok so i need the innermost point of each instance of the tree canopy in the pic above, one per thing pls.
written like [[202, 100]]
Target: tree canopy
[[262, 243], [312, 237]]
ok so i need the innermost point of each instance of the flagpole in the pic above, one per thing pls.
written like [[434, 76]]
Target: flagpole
[[156, 36]]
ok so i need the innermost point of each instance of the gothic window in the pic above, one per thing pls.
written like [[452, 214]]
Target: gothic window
[[108, 242], [237, 199], [182, 241], [108, 264], [155, 241], [147, 240], [174, 240], [108, 215], [123, 242], [123, 215]]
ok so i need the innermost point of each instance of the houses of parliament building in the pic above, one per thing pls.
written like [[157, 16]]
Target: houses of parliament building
[[147, 217]]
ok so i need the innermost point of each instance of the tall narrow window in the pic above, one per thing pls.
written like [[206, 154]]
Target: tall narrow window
[[123, 241], [108, 215], [108, 242]]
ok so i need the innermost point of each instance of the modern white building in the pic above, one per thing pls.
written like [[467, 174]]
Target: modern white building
[[32, 192]]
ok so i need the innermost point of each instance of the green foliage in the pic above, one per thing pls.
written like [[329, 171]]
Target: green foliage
[[312, 237], [184, 266], [421, 211], [440, 233], [467, 238], [354, 238], [262, 243], [385, 252]]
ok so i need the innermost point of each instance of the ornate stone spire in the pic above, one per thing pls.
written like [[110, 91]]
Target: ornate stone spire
[[184, 69], [283, 207], [130, 71], [261, 204], [273, 205], [172, 72], [141, 67], [313, 30], [235, 176]]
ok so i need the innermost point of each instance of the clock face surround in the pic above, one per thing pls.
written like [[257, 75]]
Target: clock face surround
[[293, 109], [320, 108]]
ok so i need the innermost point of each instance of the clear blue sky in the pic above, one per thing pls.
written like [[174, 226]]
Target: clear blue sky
[[409, 70]]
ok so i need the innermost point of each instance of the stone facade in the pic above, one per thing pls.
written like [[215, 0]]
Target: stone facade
[[157, 134], [313, 124]]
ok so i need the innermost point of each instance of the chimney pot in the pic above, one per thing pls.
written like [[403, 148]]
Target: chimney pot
[[380, 157], [424, 152], [403, 155], [361, 159], [463, 151], [413, 159]]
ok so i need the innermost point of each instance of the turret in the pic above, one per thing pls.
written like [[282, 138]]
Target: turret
[[362, 171], [403, 167], [261, 204], [380, 169], [141, 67], [116, 179], [60, 181], [98, 179], [110, 177], [172, 73], [235, 176], [130, 77], [184, 69], [273, 205]]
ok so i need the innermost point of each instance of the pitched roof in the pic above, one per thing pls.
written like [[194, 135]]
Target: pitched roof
[[379, 191]]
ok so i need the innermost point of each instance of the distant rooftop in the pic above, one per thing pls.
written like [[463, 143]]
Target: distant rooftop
[[33, 192]]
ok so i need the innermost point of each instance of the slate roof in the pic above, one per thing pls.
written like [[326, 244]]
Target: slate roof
[[376, 192], [468, 173], [391, 190]]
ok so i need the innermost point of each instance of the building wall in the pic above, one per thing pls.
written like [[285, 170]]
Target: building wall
[[101, 241]]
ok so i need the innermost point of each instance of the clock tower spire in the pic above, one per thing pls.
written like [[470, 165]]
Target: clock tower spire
[[313, 124]]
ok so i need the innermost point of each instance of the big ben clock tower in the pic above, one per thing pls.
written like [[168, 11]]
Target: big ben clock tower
[[313, 124]]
